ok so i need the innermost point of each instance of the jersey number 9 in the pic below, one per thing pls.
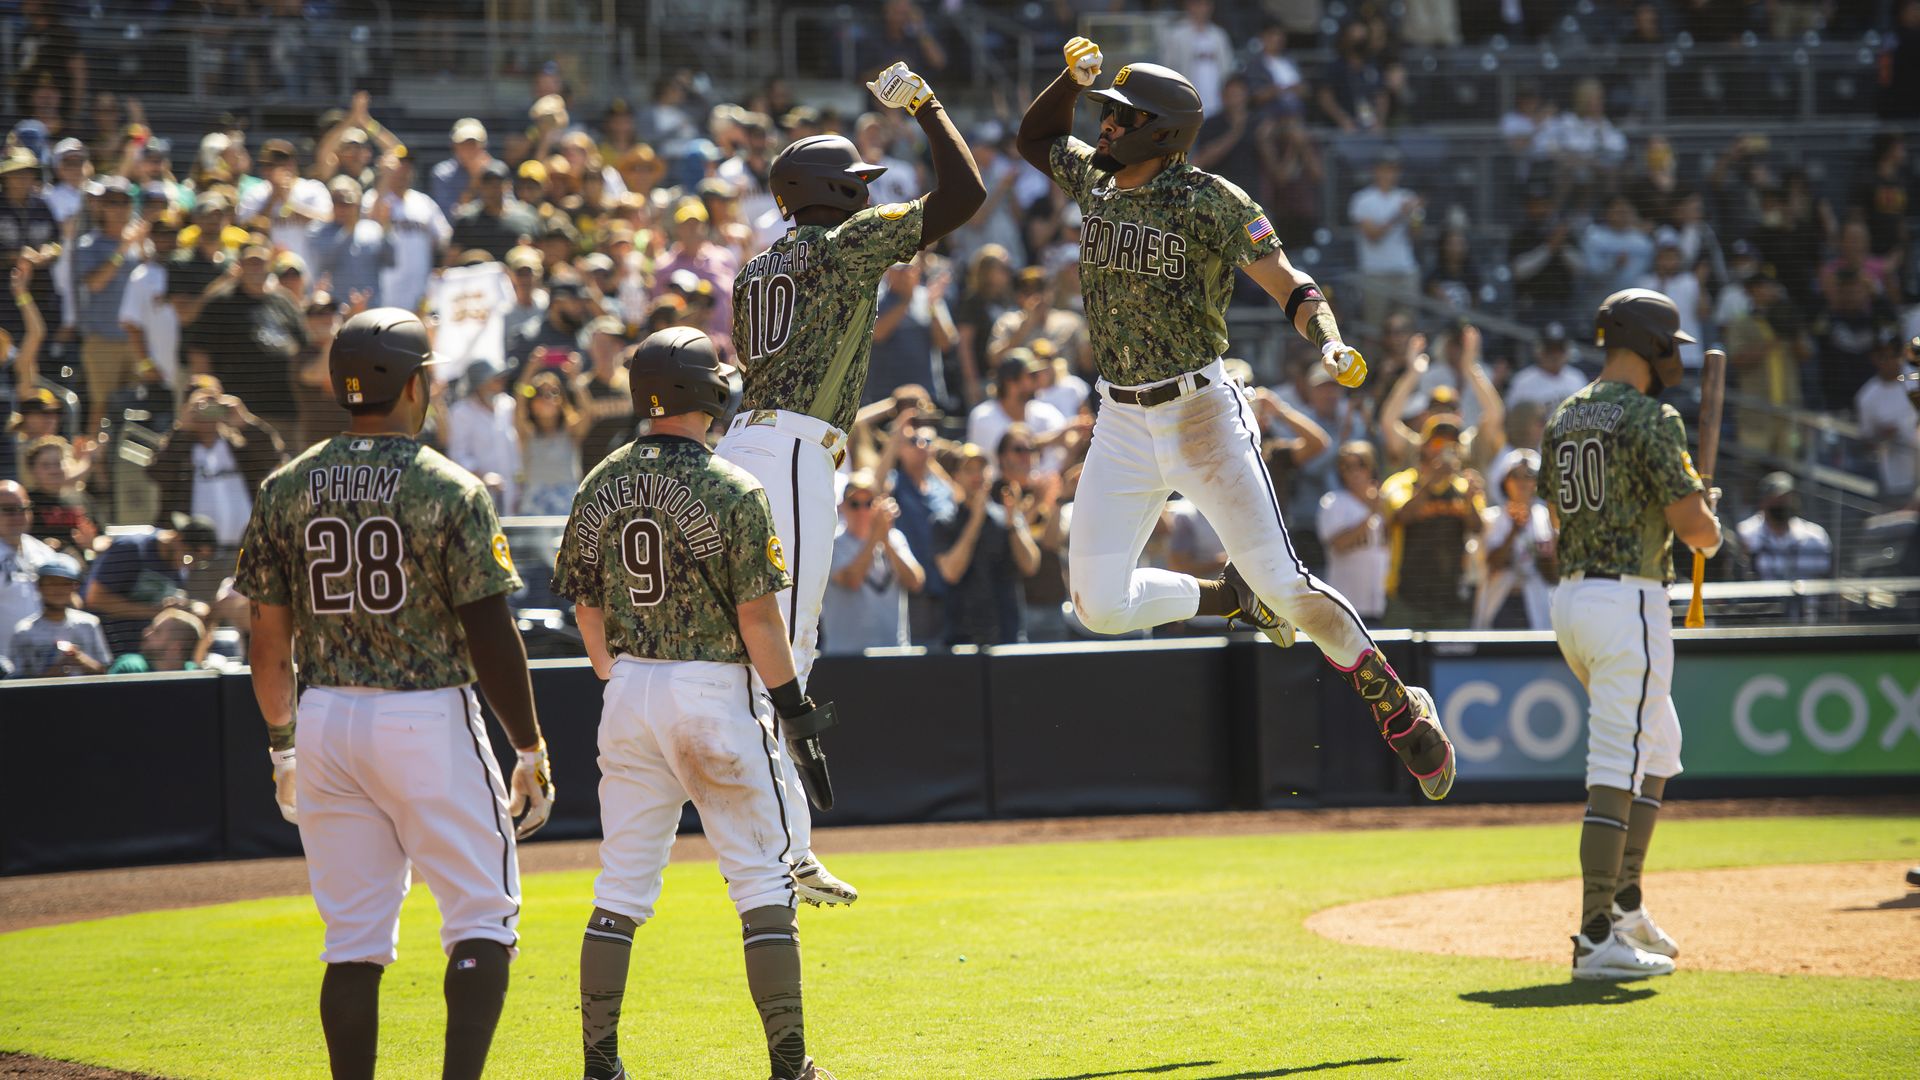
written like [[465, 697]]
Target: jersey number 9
[[769, 315], [643, 551], [366, 556], [1583, 475]]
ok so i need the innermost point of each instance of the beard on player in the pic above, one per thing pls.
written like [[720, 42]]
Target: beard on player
[[1106, 162]]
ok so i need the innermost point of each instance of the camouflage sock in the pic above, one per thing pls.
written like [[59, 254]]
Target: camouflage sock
[[773, 977], [604, 953], [1646, 808], [1603, 840], [476, 991], [1386, 696], [350, 1018]]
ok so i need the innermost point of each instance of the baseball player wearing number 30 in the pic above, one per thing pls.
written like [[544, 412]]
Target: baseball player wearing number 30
[[379, 564], [803, 317], [1160, 241], [1618, 480]]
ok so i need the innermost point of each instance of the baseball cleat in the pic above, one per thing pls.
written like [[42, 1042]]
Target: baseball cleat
[[1421, 731], [1643, 933], [1913, 876], [1615, 958], [815, 884], [1253, 611], [619, 1072], [811, 1072]]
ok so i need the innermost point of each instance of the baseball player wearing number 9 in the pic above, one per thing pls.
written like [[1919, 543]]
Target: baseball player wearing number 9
[[675, 571], [1160, 242], [803, 317], [1620, 484], [379, 566]]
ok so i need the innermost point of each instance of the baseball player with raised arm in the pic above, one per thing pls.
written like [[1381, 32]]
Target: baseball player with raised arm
[[1160, 241], [378, 566], [1617, 477], [803, 317], [676, 571]]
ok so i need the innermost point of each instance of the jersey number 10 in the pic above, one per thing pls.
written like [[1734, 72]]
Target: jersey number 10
[[1583, 474], [366, 556], [769, 315]]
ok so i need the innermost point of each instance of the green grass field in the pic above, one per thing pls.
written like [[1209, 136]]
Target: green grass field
[[1176, 959]]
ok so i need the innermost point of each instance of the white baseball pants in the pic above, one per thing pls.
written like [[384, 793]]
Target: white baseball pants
[[390, 780], [789, 458], [1206, 446], [1617, 636], [673, 730]]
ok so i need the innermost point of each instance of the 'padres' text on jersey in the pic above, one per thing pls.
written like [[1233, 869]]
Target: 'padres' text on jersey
[[1157, 262], [668, 541], [374, 540], [803, 310], [1612, 461]]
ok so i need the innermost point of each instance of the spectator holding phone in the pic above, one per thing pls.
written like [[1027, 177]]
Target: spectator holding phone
[[550, 430], [213, 460], [986, 555], [58, 641], [1432, 510], [872, 573], [1516, 592]]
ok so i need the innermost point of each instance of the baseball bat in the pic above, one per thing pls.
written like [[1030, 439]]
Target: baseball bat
[[1713, 394]]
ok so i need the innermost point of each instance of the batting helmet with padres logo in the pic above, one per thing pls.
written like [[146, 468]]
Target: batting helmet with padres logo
[[820, 170], [376, 353], [1172, 106], [678, 371], [1647, 323]]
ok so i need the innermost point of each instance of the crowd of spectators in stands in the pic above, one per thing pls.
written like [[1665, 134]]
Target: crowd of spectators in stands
[[166, 326]]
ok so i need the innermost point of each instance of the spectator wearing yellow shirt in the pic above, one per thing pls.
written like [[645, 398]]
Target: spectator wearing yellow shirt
[[1432, 510]]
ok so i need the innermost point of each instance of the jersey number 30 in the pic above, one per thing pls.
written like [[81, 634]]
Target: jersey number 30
[[358, 566], [1583, 474], [769, 315]]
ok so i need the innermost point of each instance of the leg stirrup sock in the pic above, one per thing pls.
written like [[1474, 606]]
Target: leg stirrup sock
[[1418, 744], [605, 951]]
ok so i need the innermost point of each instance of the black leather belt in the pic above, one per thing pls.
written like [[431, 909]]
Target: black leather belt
[[1155, 395], [1602, 577]]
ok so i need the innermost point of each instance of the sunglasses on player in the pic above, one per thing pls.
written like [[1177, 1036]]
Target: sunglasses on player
[[1126, 116]]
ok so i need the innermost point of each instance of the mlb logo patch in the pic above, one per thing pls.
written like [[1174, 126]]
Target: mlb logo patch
[[361, 445], [1259, 229], [648, 453], [467, 964]]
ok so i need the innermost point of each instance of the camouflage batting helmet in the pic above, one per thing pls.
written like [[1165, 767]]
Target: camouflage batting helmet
[[820, 170], [1172, 106], [678, 371], [1647, 323], [376, 353]]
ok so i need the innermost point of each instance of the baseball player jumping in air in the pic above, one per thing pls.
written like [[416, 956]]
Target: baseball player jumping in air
[[803, 316], [1160, 240], [1620, 484], [676, 571], [378, 565]]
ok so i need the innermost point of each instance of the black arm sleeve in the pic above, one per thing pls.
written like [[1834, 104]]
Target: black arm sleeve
[[1049, 117], [500, 659], [957, 188]]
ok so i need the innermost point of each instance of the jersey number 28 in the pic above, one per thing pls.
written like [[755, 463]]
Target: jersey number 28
[[358, 566], [1583, 474], [769, 315]]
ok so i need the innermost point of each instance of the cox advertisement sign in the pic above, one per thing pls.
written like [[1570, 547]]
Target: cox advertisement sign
[[1772, 715]]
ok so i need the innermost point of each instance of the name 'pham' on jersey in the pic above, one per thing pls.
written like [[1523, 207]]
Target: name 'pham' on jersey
[[352, 483]]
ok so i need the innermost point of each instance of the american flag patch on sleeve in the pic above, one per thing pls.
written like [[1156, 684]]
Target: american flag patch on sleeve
[[1259, 229]]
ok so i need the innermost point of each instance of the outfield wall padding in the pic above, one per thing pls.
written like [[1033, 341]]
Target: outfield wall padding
[[172, 768]]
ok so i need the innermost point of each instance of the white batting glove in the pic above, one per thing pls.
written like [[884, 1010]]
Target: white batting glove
[[283, 771], [1083, 61], [1344, 363], [532, 791], [899, 88]]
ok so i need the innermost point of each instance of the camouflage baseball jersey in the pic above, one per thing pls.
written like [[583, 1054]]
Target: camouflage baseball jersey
[[803, 310], [374, 540], [1157, 262], [668, 540], [1612, 461]]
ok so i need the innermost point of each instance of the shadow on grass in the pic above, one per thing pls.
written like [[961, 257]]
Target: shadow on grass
[[1904, 903], [1560, 995], [1146, 1070]]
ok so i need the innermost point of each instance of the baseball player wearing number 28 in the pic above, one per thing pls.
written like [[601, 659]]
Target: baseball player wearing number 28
[[1619, 482], [803, 317], [1160, 242], [671, 559], [379, 565]]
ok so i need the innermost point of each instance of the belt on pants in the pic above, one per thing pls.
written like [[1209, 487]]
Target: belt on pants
[[1160, 393], [799, 425], [1631, 579]]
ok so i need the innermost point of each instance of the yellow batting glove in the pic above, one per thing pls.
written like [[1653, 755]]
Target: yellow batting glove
[[898, 87], [1083, 60], [1345, 363]]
